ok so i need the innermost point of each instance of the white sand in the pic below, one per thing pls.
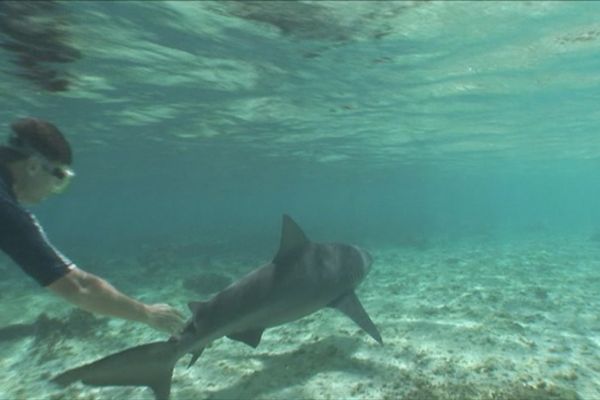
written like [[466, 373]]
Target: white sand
[[473, 320]]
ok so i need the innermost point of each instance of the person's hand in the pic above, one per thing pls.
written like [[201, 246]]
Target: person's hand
[[165, 318]]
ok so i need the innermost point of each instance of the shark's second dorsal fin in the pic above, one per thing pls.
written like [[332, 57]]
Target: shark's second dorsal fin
[[292, 239]]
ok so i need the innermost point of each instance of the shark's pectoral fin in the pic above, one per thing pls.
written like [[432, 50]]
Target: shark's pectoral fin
[[251, 337], [195, 357], [350, 305]]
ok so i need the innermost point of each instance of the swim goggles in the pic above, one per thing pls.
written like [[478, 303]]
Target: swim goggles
[[62, 174]]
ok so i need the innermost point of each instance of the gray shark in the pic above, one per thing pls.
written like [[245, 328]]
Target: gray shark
[[303, 278]]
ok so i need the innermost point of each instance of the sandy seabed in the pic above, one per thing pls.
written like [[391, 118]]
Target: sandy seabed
[[472, 319]]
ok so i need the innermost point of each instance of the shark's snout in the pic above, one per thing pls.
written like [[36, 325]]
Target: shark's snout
[[367, 258]]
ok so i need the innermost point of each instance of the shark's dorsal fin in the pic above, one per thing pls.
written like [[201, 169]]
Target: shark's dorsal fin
[[251, 337], [350, 305], [292, 239]]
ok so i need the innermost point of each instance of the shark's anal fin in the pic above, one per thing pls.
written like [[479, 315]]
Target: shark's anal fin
[[350, 305], [162, 390], [195, 357], [292, 240], [251, 337]]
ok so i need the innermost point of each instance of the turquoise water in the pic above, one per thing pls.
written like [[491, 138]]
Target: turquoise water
[[448, 129], [415, 115]]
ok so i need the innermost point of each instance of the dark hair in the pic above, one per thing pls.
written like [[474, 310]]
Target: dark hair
[[9, 155], [40, 136]]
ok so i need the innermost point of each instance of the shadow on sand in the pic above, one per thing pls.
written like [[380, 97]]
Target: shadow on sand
[[296, 367]]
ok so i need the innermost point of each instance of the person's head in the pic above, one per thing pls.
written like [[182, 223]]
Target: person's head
[[38, 157]]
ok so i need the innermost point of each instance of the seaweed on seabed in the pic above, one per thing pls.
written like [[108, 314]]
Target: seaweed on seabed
[[425, 390], [539, 391], [49, 332]]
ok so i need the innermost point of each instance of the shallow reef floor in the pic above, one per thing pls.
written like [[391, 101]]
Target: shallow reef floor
[[471, 319]]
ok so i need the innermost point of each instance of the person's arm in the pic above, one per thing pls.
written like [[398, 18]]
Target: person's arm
[[22, 238], [94, 294]]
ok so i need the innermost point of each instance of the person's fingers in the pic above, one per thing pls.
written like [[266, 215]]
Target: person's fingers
[[176, 314], [173, 310], [170, 311], [168, 326], [175, 320], [167, 318]]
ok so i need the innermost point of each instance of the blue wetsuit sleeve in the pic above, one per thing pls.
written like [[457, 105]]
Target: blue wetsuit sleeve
[[23, 239]]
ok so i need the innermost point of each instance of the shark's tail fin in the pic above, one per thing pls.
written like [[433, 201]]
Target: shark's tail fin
[[147, 365]]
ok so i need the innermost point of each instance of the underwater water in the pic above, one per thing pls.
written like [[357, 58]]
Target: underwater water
[[456, 141]]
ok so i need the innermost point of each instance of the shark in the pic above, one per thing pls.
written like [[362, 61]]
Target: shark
[[303, 278]]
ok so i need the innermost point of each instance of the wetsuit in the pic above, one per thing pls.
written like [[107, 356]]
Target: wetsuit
[[23, 239]]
